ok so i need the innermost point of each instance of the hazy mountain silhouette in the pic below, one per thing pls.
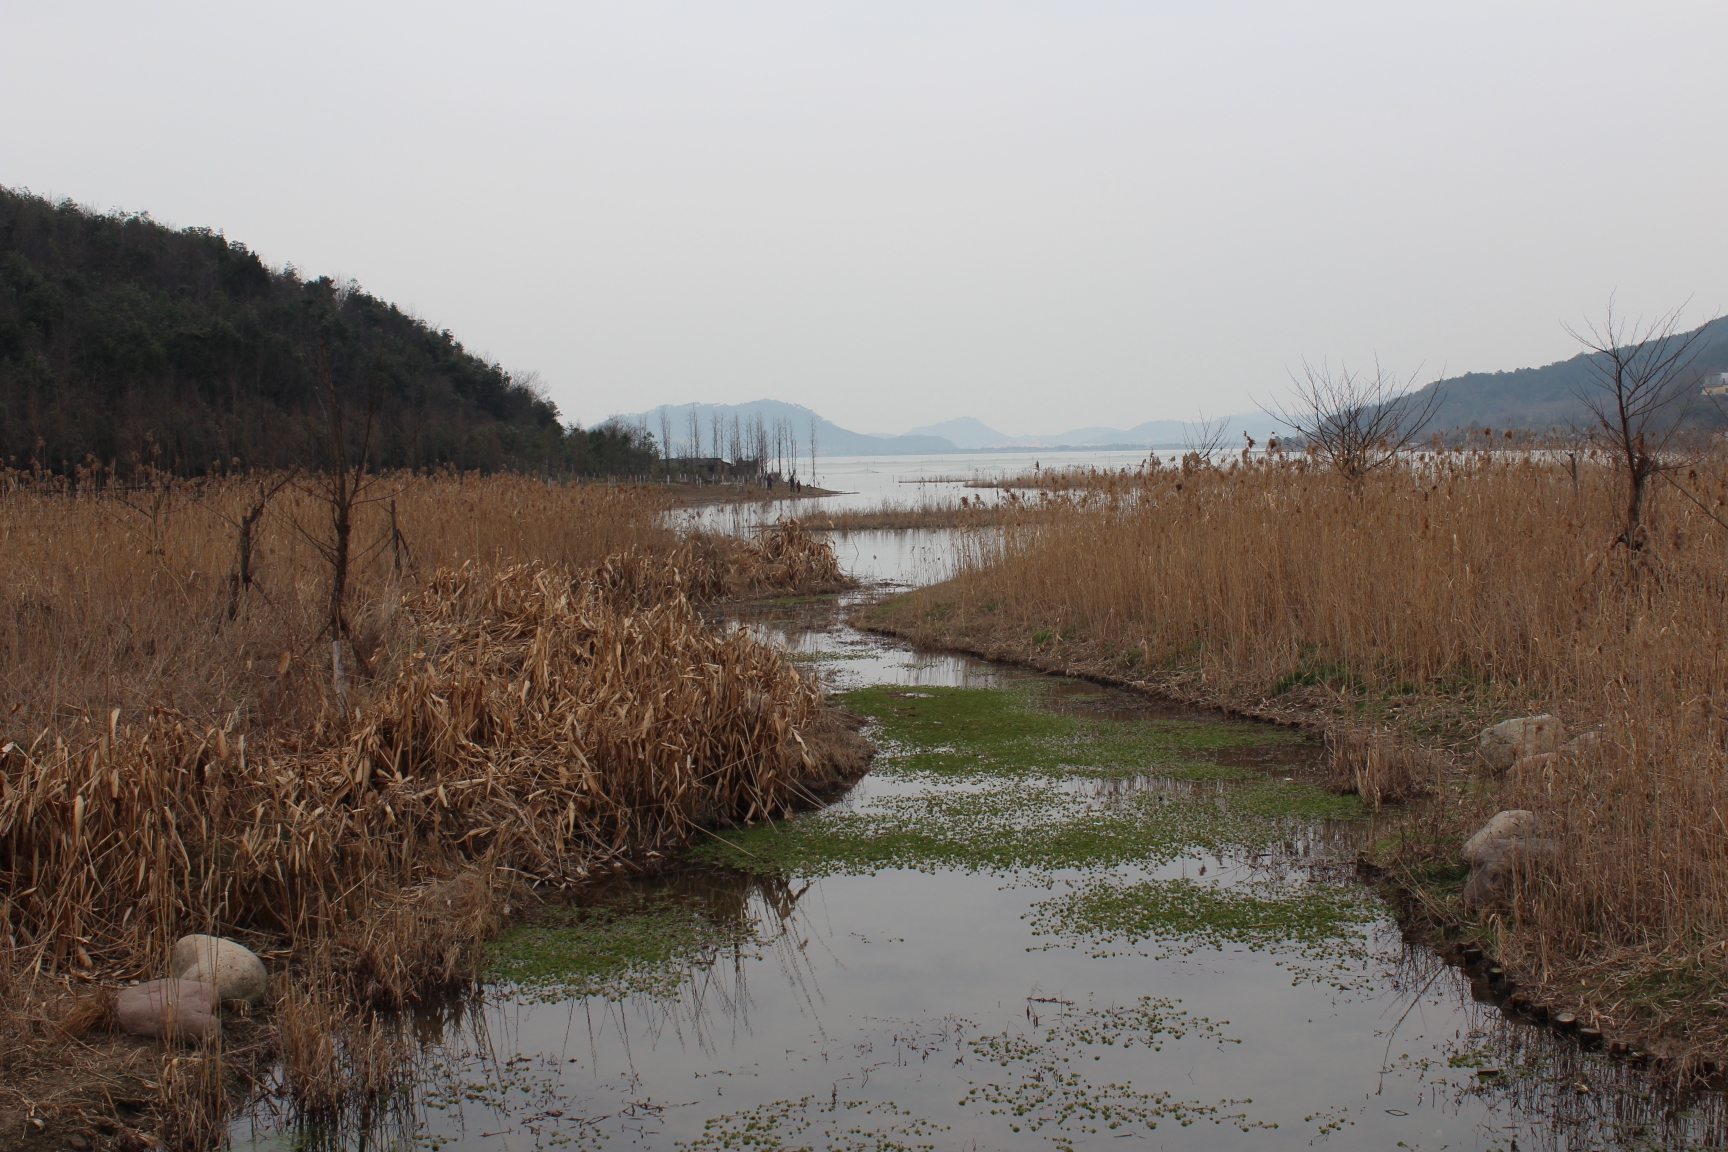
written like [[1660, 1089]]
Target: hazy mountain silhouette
[[970, 433], [1547, 397], [1538, 398], [831, 439]]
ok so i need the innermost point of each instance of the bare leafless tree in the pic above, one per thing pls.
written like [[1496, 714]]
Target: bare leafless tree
[[344, 484], [1202, 440], [401, 556], [1639, 395], [240, 581], [812, 449], [1359, 421]]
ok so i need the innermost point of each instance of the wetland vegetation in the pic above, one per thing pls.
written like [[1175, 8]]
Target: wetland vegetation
[[582, 855], [1052, 915], [510, 687], [1398, 613]]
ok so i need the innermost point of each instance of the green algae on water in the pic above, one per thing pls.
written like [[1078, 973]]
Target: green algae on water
[[1002, 783], [1050, 1089], [1009, 730], [641, 946], [525, 1088], [1020, 825], [842, 1125], [1324, 922], [1045, 1086]]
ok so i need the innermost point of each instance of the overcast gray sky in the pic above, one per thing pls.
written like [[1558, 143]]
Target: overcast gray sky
[[1045, 215]]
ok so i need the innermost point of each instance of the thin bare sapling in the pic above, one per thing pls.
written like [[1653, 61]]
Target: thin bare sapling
[[1639, 396], [1356, 422], [344, 484]]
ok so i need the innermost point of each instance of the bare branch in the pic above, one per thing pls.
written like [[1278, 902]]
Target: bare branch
[[1202, 440], [1639, 396], [1356, 422]]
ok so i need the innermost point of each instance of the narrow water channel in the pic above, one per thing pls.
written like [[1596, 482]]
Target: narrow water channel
[[1054, 916]]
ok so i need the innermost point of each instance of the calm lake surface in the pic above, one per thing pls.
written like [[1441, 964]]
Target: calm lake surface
[[929, 972]]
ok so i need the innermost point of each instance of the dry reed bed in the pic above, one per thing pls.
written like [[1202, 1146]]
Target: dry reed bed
[[1434, 599], [179, 761], [124, 601], [969, 511], [538, 726]]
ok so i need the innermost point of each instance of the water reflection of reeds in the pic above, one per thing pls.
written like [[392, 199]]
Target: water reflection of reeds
[[473, 1040], [464, 1069], [1543, 1084]]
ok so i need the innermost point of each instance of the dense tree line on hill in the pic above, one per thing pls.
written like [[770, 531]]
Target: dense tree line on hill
[[1554, 397], [123, 339]]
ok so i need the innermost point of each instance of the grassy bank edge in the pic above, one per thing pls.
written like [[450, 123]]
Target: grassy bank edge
[[114, 1090], [1417, 869]]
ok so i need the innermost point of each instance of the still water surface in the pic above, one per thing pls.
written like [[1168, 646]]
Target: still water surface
[[916, 1007]]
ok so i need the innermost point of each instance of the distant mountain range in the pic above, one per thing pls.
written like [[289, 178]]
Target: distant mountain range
[[1540, 398], [965, 434], [971, 434]]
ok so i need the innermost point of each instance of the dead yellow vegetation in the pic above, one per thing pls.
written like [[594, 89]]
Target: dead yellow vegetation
[[1406, 611], [532, 698]]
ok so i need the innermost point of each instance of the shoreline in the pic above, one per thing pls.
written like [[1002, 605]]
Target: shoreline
[[1421, 892], [703, 495], [414, 926]]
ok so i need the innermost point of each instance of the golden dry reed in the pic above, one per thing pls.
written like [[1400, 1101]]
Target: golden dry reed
[[969, 510], [122, 601], [536, 725], [1435, 597], [544, 702]]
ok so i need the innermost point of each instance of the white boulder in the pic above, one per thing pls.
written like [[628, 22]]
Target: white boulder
[[233, 969], [1512, 824], [1497, 860], [1509, 741], [1493, 854], [169, 1010]]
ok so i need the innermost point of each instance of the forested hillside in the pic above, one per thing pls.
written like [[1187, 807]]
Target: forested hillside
[[1551, 397], [119, 336]]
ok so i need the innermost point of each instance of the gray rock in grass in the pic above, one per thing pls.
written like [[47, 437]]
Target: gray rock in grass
[[1494, 852], [1512, 824]]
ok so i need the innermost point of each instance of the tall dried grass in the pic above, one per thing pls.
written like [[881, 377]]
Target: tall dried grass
[[1432, 598], [787, 558], [968, 511], [122, 601], [535, 725], [546, 704]]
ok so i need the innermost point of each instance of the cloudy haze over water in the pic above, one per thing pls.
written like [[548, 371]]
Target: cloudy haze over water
[[1043, 215]]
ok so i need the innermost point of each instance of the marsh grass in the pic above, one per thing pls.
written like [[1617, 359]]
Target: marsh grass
[[1410, 609], [546, 705]]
